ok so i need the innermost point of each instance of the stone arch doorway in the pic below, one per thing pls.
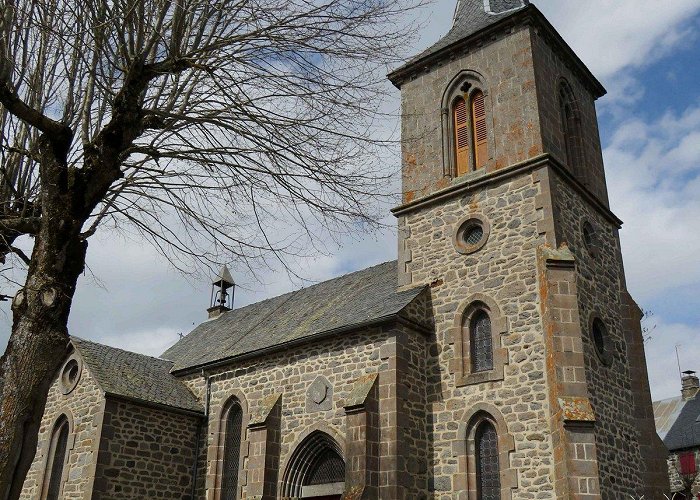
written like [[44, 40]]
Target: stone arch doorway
[[316, 469]]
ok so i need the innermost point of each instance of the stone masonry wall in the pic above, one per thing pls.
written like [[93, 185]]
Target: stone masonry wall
[[550, 68], [506, 69], [505, 271], [341, 361], [600, 281], [84, 407], [145, 453]]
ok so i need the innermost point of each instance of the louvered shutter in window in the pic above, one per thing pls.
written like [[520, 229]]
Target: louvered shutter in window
[[461, 126], [480, 132]]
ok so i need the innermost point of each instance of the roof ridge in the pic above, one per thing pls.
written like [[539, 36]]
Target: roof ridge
[[292, 292], [86, 341]]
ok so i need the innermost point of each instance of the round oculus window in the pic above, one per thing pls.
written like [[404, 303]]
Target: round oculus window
[[70, 375], [471, 235]]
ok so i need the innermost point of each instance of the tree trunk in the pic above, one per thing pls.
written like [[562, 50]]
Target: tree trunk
[[37, 345]]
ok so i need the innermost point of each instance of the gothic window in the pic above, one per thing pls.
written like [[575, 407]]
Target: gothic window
[[481, 342], [316, 469], [232, 451], [469, 129], [56, 459], [571, 124], [488, 472]]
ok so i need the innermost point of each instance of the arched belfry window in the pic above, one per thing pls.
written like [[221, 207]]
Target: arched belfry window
[[481, 342], [56, 459], [488, 471], [232, 451], [470, 131], [316, 469], [466, 134], [571, 125]]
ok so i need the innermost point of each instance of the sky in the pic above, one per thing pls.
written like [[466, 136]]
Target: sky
[[645, 52]]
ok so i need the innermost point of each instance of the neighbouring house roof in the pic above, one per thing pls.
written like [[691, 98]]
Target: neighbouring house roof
[[334, 306], [678, 422], [135, 376]]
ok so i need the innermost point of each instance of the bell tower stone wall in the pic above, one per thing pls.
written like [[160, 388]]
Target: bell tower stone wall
[[568, 386]]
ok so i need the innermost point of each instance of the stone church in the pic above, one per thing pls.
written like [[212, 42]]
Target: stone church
[[500, 357]]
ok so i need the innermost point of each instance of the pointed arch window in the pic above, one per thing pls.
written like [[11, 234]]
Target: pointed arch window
[[481, 342], [571, 125], [470, 131], [56, 459], [316, 469], [232, 451], [488, 472]]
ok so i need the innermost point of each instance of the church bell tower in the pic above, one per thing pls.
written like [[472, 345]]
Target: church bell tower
[[539, 366]]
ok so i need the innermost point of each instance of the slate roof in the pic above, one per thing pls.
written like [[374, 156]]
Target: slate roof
[[135, 376], [678, 422], [470, 18], [337, 305]]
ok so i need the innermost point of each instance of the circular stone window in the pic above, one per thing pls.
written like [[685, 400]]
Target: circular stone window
[[599, 335], [471, 234], [70, 375]]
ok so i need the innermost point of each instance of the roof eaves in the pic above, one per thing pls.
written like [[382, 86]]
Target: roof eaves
[[159, 406]]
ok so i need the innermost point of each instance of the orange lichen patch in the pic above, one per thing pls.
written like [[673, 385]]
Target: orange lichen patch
[[516, 132], [528, 86], [409, 196], [353, 493], [534, 151], [443, 183], [576, 409]]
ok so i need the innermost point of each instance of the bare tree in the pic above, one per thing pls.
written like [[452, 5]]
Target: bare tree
[[193, 122]]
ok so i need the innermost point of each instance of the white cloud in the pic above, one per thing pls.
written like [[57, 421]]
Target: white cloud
[[661, 355], [614, 35], [652, 171]]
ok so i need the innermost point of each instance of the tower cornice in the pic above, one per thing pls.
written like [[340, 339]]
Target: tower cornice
[[480, 180]]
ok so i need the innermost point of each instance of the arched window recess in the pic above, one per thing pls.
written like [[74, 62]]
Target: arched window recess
[[571, 130], [56, 459], [465, 125], [233, 434]]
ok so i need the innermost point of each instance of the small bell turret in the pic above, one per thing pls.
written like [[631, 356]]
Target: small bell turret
[[221, 299]]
